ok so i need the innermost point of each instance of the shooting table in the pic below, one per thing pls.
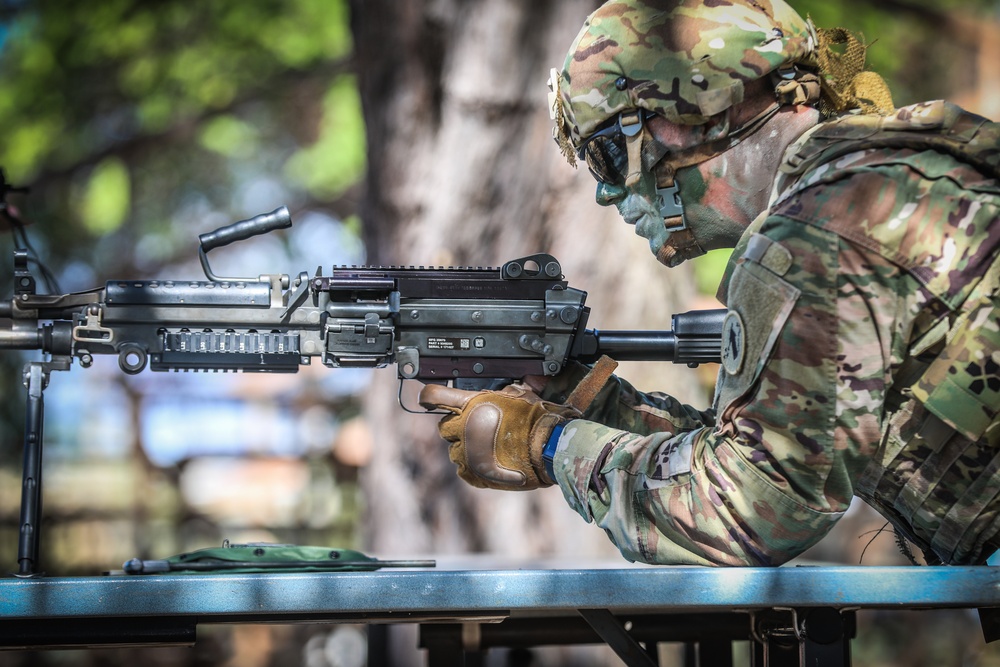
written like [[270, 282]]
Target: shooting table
[[792, 615]]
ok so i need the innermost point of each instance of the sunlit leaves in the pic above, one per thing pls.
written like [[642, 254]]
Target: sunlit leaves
[[26, 144], [311, 29], [337, 158], [104, 204], [153, 65], [140, 124], [230, 136]]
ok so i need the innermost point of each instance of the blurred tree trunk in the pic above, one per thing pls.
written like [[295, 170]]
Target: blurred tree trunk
[[463, 171]]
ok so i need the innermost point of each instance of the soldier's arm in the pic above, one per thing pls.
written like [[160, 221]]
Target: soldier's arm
[[801, 396], [620, 405]]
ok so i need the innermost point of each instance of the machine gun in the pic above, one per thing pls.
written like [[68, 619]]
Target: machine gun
[[474, 327], [466, 324]]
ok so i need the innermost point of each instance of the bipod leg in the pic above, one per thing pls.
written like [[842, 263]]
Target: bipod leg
[[36, 377]]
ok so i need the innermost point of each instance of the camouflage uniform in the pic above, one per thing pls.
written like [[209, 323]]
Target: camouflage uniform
[[860, 357]]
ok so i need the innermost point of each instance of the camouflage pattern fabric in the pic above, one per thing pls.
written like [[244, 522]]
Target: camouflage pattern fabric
[[937, 477], [870, 267], [616, 62]]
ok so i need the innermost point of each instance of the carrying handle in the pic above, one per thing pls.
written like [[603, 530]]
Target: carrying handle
[[279, 218]]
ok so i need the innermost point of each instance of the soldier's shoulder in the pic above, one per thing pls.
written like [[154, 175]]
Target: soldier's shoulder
[[932, 137]]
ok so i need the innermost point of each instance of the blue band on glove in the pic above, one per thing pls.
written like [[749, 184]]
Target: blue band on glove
[[549, 452]]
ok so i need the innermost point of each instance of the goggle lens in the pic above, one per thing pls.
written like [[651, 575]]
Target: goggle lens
[[606, 153], [606, 156]]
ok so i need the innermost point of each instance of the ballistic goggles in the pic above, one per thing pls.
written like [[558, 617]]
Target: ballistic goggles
[[606, 152], [618, 153]]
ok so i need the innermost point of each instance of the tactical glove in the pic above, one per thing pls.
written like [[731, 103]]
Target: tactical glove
[[497, 437]]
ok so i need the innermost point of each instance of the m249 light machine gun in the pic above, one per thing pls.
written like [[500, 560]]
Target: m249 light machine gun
[[474, 327]]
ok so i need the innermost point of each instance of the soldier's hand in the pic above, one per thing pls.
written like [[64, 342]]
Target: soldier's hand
[[497, 437]]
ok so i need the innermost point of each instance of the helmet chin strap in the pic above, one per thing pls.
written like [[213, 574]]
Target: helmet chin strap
[[668, 197], [671, 206], [680, 246], [635, 131]]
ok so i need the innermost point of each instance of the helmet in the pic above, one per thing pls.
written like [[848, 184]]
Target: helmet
[[685, 60], [689, 62]]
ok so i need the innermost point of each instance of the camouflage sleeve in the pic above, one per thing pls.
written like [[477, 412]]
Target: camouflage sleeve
[[620, 405], [689, 499], [813, 330]]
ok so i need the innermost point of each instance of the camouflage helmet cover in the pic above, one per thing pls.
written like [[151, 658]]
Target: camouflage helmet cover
[[686, 60]]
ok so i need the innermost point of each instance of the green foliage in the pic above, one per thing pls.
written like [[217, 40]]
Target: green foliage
[[907, 44], [134, 120], [105, 201], [230, 136], [139, 125], [80, 77], [337, 159], [708, 270]]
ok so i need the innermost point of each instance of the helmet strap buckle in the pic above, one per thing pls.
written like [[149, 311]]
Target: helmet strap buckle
[[668, 195], [671, 206], [631, 126]]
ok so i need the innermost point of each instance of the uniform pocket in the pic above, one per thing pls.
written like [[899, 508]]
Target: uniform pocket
[[962, 386]]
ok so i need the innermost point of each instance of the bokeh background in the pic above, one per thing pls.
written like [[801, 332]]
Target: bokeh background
[[401, 133]]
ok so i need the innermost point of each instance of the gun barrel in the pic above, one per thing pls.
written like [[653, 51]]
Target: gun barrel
[[653, 346], [21, 339], [633, 345], [54, 338], [695, 339]]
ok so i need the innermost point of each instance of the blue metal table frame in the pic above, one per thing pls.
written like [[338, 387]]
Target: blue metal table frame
[[806, 608]]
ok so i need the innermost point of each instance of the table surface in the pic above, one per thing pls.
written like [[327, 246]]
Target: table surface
[[469, 593]]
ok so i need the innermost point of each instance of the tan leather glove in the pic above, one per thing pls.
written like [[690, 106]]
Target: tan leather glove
[[497, 437]]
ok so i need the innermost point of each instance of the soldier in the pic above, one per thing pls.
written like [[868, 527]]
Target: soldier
[[860, 350]]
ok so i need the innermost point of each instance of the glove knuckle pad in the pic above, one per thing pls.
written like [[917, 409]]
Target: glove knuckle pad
[[482, 429]]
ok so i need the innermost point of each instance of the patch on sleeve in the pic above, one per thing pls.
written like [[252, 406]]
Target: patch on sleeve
[[733, 343]]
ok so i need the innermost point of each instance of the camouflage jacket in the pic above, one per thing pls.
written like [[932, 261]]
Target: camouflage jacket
[[870, 259]]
